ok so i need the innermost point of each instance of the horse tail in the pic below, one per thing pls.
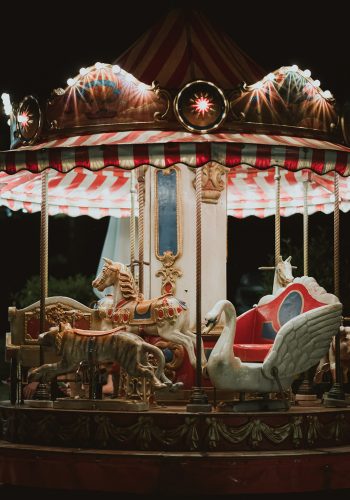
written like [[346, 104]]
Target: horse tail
[[159, 357]]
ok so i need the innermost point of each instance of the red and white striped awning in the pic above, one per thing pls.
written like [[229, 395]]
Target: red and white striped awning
[[79, 192], [161, 149], [253, 192], [107, 192]]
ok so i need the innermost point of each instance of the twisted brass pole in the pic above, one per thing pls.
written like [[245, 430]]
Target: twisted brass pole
[[336, 236], [306, 229], [44, 244], [42, 392], [141, 225], [277, 215], [132, 222], [198, 275], [337, 391]]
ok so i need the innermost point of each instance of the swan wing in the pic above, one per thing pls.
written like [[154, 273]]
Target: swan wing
[[303, 341]]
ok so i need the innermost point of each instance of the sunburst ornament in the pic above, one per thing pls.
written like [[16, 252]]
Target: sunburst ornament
[[200, 106], [29, 120]]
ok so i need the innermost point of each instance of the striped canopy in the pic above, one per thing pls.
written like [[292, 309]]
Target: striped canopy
[[107, 192], [185, 46], [164, 148]]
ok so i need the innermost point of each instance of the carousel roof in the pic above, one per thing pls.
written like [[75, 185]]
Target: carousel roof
[[106, 116], [185, 46], [107, 192]]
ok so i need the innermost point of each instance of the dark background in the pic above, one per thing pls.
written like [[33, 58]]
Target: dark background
[[43, 45]]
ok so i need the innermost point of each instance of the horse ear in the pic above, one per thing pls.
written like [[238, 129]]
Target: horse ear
[[108, 261], [289, 259]]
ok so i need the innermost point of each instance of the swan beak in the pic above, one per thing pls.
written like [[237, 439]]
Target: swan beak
[[209, 325]]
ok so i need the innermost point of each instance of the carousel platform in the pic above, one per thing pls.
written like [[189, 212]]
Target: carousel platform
[[168, 449]]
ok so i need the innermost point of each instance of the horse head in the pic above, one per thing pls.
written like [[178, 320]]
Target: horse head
[[108, 275], [284, 272]]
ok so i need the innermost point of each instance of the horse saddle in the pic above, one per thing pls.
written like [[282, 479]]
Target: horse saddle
[[95, 333], [143, 307]]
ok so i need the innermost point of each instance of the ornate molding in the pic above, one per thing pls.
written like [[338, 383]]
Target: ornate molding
[[166, 253], [169, 273], [212, 182], [175, 431], [253, 431]]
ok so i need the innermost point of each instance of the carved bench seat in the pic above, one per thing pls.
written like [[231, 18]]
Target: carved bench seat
[[257, 328]]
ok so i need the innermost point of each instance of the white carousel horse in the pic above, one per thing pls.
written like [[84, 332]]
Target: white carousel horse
[[299, 344], [164, 316], [283, 277]]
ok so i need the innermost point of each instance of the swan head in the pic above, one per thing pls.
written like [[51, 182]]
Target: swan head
[[209, 322]]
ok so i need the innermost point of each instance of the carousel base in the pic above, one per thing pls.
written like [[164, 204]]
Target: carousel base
[[171, 450], [101, 404]]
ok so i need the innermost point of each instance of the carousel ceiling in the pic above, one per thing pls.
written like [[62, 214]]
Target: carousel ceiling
[[251, 192]]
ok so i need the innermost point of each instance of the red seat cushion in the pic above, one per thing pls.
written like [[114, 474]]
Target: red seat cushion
[[252, 353]]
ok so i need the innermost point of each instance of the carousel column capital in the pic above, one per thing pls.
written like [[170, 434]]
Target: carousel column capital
[[213, 182]]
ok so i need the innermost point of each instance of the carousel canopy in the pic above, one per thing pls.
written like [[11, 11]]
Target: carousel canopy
[[162, 149], [186, 46], [107, 192], [106, 116]]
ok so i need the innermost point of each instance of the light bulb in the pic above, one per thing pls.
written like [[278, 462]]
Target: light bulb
[[307, 73], [6, 101], [142, 87], [83, 71], [99, 65], [317, 83], [116, 68], [257, 85], [71, 82], [294, 67], [327, 94]]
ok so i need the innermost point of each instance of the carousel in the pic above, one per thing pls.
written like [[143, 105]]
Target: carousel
[[204, 400]]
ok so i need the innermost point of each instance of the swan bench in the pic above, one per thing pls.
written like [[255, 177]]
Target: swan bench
[[256, 329]]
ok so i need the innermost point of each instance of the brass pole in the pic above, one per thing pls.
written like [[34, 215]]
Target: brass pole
[[277, 215], [336, 236], [306, 228], [42, 392], [198, 275], [199, 398], [141, 225], [44, 244], [337, 390], [132, 222]]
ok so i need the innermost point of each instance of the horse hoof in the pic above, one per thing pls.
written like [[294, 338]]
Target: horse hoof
[[175, 387]]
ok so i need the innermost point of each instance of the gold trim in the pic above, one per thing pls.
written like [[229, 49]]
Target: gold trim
[[194, 129], [168, 272]]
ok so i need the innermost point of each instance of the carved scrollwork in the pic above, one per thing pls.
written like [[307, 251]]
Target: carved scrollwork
[[317, 430], [58, 313], [212, 182], [168, 226], [162, 93], [175, 363], [169, 273], [253, 431]]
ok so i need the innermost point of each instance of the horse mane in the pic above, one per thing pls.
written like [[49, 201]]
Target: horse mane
[[127, 284]]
